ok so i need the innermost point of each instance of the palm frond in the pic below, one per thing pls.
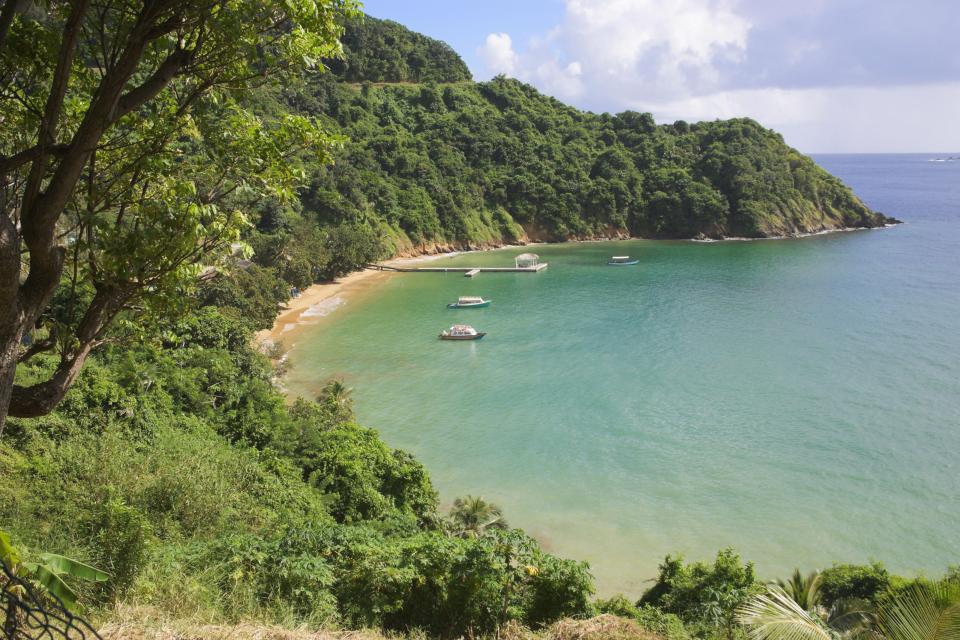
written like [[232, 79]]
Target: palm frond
[[774, 615], [924, 612]]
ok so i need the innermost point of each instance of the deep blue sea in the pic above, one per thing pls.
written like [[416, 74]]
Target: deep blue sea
[[798, 400]]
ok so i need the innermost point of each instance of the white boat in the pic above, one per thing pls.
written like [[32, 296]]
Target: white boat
[[469, 302], [622, 260], [461, 332]]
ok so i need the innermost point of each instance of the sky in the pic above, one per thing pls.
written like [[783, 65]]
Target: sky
[[833, 76]]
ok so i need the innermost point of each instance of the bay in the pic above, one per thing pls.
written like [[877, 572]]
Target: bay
[[798, 400]]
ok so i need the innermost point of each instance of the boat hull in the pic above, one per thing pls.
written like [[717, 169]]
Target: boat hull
[[457, 305], [623, 264], [473, 337]]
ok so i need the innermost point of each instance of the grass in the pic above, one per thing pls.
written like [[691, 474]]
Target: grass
[[143, 623]]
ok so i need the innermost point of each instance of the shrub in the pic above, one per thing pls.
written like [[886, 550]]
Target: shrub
[[864, 582], [702, 593], [650, 618], [120, 534]]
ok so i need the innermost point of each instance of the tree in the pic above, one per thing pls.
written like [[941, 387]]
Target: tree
[[338, 395], [471, 516], [121, 135]]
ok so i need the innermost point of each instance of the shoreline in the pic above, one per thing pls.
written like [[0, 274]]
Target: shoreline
[[321, 299]]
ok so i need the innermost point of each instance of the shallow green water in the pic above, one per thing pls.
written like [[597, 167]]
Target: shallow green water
[[798, 400]]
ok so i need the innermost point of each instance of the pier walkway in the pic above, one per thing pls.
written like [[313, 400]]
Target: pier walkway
[[532, 269]]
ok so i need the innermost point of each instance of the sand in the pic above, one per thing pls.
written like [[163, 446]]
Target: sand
[[315, 303], [320, 300]]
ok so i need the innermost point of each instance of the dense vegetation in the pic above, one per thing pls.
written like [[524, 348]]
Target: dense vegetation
[[180, 470], [177, 467], [432, 160], [461, 163], [384, 51]]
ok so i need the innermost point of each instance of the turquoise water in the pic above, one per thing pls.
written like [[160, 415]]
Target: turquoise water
[[798, 400]]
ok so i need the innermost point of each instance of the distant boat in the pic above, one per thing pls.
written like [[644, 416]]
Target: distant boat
[[622, 261], [469, 302], [461, 332]]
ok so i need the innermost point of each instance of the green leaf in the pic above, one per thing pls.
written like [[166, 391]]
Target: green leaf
[[8, 554], [776, 616], [55, 585], [62, 565], [923, 613]]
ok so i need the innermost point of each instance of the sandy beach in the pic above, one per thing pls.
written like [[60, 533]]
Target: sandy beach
[[319, 300], [314, 303]]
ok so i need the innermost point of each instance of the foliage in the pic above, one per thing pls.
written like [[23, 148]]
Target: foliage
[[176, 465], [145, 104], [667, 625], [365, 478], [467, 164], [700, 592], [384, 51], [471, 516], [922, 612], [804, 590], [865, 582], [49, 571]]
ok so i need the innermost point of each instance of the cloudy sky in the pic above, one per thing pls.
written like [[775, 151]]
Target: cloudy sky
[[831, 75]]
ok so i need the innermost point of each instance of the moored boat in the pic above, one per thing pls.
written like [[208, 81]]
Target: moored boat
[[469, 302], [461, 332], [622, 261]]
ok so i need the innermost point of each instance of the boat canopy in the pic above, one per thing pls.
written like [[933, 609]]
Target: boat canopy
[[620, 258], [527, 260], [469, 299]]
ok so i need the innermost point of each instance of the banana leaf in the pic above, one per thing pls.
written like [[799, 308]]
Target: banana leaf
[[61, 565], [54, 585]]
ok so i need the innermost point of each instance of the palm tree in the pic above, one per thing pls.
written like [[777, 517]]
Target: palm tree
[[471, 516], [919, 613], [337, 393], [804, 590]]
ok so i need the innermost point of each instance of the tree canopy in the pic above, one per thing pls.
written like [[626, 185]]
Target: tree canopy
[[125, 153]]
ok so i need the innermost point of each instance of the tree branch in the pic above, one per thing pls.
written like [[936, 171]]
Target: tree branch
[[21, 158], [41, 398], [40, 346], [153, 85]]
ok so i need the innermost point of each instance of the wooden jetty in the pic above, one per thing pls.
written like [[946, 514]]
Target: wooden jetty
[[468, 271]]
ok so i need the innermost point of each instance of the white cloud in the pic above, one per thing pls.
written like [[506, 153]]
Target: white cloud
[[790, 66], [498, 54], [669, 47], [835, 119], [615, 46], [538, 66]]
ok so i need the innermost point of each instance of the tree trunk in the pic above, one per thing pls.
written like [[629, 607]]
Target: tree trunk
[[11, 322], [43, 397], [9, 353]]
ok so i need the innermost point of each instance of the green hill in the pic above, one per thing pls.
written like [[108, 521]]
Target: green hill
[[454, 163], [385, 51]]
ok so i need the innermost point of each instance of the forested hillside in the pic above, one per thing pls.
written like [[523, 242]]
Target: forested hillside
[[432, 161], [384, 51]]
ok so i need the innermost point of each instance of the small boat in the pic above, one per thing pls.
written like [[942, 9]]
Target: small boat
[[469, 302], [461, 332], [622, 261]]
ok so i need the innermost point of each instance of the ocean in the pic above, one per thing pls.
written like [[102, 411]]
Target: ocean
[[797, 400]]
